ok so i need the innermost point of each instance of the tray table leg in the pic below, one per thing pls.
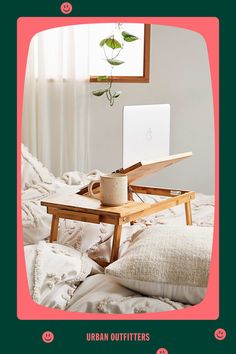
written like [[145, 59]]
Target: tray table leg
[[115, 243], [54, 228], [188, 213], [130, 197]]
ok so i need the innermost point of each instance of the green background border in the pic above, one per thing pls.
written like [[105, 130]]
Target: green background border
[[177, 336]]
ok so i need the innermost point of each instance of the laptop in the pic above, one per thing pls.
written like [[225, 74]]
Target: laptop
[[146, 133], [146, 142]]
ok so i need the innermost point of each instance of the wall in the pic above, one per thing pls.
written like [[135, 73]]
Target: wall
[[179, 76]]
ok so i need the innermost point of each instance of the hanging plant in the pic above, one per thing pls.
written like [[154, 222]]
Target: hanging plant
[[115, 47]]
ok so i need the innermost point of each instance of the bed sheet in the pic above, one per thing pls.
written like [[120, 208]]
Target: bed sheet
[[102, 294]]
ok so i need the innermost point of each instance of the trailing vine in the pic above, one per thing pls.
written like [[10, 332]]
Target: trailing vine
[[116, 47]]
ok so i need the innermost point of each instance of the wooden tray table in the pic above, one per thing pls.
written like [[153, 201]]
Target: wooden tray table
[[83, 208]]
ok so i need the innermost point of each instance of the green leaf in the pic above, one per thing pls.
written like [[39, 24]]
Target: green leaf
[[129, 37], [99, 92], [111, 42], [115, 61], [102, 78], [117, 94], [102, 43]]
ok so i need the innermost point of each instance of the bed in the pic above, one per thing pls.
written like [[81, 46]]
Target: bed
[[155, 271]]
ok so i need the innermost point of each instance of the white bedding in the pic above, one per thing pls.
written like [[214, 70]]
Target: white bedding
[[98, 293], [101, 294]]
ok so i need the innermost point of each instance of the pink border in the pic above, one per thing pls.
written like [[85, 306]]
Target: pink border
[[208, 27]]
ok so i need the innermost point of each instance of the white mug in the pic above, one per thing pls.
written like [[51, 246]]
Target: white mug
[[113, 189]]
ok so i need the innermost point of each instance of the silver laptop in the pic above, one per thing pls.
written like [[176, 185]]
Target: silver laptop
[[146, 133]]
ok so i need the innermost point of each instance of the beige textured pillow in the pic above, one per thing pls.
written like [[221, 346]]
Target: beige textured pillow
[[167, 261]]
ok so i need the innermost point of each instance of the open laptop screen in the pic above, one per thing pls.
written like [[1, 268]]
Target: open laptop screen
[[146, 133]]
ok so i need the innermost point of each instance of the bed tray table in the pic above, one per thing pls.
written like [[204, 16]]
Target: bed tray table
[[81, 207]]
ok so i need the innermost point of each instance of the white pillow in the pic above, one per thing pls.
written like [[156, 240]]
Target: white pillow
[[35, 221], [32, 171], [54, 271], [167, 261]]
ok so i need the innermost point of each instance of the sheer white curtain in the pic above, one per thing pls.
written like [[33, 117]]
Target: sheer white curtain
[[56, 97]]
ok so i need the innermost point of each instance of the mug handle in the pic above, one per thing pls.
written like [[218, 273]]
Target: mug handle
[[90, 189]]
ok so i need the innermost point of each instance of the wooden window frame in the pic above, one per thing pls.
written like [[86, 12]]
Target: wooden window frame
[[146, 63]]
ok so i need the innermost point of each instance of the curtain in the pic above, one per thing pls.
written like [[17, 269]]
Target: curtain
[[56, 99]]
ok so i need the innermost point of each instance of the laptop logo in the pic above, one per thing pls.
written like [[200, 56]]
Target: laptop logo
[[149, 134]]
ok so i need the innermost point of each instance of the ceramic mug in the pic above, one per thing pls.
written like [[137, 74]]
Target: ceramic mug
[[113, 189]]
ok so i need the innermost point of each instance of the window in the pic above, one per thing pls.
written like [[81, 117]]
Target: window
[[135, 55]]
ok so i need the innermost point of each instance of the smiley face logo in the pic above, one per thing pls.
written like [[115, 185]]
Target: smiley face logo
[[220, 334], [47, 337], [162, 351], [66, 8]]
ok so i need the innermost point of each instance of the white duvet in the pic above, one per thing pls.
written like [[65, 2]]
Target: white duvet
[[101, 294]]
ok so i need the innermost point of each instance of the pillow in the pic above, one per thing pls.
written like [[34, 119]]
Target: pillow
[[35, 221], [32, 171], [167, 261], [54, 271]]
